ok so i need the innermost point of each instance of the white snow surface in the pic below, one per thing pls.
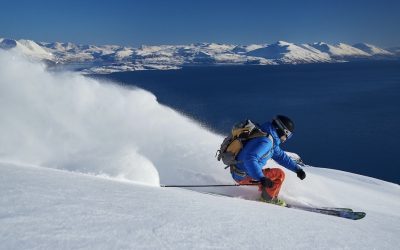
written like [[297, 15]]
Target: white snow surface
[[51, 209], [81, 162]]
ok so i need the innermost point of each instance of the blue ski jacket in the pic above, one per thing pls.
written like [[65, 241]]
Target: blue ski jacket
[[256, 152]]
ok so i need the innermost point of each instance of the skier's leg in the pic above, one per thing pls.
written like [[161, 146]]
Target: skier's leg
[[277, 176]]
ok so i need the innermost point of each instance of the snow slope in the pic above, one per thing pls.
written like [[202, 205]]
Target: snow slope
[[81, 162], [50, 209]]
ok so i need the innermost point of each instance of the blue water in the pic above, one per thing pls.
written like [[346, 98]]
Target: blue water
[[347, 115]]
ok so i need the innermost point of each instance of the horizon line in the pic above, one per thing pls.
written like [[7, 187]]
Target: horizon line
[[194, 43]]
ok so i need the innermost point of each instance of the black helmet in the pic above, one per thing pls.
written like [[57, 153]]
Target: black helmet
[[283, 126]]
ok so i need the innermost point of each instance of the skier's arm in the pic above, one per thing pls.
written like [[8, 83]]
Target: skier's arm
[[252, 153], [284, 160]]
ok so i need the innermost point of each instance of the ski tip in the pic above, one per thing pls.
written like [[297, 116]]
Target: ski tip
[[346, 213], [358, 215]]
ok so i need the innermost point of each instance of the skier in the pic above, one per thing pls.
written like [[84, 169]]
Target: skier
[[255, 153]]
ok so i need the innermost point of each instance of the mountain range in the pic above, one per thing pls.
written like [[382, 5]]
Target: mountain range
[[114, 58]]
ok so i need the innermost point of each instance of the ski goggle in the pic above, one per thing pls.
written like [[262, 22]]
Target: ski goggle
[[282, 127]]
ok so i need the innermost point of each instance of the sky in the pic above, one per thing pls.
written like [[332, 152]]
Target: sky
[[154, 22]]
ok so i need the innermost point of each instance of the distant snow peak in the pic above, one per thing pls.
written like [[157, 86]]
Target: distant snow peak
[[371, 49], [290, 53], [340, 50], [114, 58], [395, 51], [26, 47], [284, 43]]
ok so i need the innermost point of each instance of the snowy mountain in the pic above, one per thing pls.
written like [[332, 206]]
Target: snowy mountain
[[27, 47], [284, 52], [395, 51], [341, 50], [111, 58], [63, 187], [372, 50]]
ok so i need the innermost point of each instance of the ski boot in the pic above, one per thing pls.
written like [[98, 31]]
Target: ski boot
[[274, 201]]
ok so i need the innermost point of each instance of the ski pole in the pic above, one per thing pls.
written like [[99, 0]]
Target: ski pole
[[213, 185]]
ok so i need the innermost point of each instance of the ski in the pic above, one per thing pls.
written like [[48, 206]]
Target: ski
[[339, 208], [346, 213]]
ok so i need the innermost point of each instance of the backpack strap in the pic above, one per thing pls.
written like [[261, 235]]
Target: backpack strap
[[272, 148], [259, 133]]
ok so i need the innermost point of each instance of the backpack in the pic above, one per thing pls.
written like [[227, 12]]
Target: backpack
[[232, 145]]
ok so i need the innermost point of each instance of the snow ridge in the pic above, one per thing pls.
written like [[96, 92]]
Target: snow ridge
[[113, 58]]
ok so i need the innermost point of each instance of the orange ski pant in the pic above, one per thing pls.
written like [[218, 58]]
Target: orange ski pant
[[276, 175]]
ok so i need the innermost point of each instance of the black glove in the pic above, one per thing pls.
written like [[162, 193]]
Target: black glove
[[266, 183], [301, 174]]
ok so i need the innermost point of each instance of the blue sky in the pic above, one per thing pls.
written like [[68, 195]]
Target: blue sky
[[154, 22]]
